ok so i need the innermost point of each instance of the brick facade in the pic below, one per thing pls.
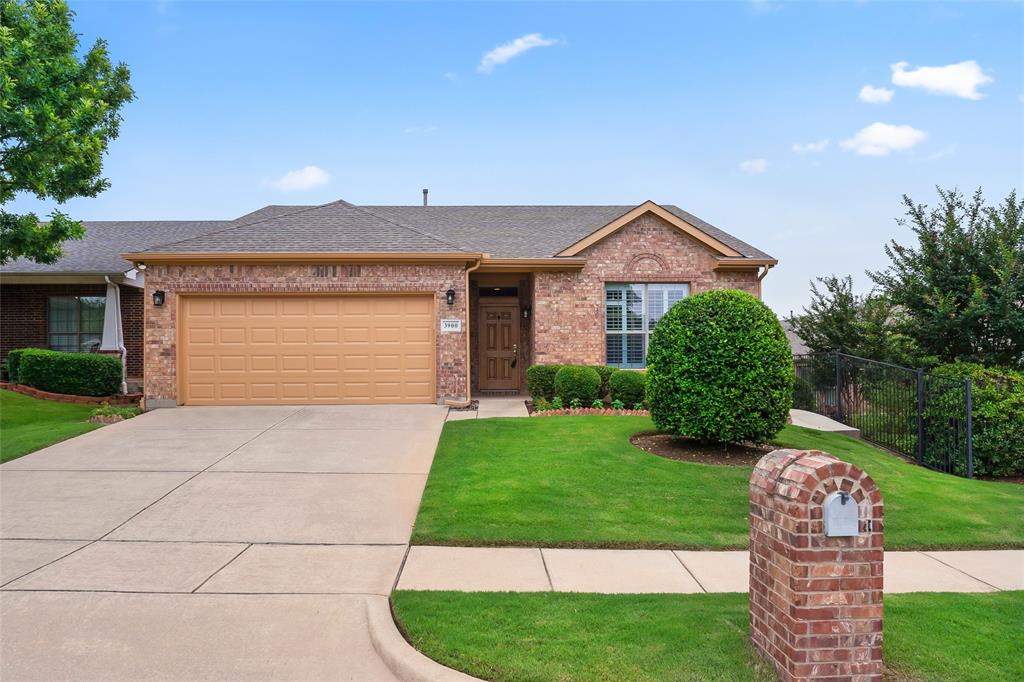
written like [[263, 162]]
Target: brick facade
[[24, 312], [815, 601], [161, 322], [568, 307]]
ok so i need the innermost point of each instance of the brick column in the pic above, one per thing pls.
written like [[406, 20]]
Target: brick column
[[815, 601]]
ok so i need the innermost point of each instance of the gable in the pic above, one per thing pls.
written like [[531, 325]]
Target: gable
[[715, 245]]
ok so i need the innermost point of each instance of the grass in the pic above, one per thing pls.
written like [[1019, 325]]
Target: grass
[[562, 636], [579, 482], [28, 424]]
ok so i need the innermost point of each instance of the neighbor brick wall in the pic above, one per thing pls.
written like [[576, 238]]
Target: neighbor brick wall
[[568, 307], [23, 316], [161, 322], [815, 601]]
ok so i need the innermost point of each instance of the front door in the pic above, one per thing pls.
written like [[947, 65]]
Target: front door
[[499, 346]]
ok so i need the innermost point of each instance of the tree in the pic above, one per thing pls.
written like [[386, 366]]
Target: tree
[[868, 326], [961, 287], [58, 113]]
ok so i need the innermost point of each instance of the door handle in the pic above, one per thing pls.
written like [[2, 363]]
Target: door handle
[[515, 354]]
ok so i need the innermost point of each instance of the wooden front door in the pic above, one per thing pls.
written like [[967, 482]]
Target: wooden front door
[[499, 346]]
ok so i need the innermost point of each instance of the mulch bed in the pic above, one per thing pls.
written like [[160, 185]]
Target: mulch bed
[[105, 419], [125, 399], [573, 411], [689, 450]]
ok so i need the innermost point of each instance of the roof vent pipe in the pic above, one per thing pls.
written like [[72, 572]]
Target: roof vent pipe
[[425, 191]]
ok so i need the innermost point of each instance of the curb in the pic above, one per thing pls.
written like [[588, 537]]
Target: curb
[[404, 661]]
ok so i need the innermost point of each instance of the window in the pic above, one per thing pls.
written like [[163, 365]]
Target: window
[[76, 323], [630, 313]]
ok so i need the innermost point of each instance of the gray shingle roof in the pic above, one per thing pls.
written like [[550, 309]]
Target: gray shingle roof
[[99, 252], [529, 231], [502, 231], [335, 227]]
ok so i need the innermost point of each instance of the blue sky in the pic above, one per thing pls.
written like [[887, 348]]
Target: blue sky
[[696, 104]]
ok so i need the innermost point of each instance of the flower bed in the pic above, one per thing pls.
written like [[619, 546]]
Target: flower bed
[[585, 410], [126, 399]]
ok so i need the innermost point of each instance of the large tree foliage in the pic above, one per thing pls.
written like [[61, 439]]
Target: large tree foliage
[[868, 326], [58, 113], [961, 286]]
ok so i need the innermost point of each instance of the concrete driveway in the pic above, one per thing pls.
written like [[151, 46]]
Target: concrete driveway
[[210, 543]]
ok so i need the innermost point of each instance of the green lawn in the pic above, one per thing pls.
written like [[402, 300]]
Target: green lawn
[[28, 424], [577, 481], [562, 636]]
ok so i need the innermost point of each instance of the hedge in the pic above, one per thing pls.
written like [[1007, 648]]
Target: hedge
[[719, 369], [13, 364], [997, 395], [628, 386], [577, 382], [69, 373], [540, 381]]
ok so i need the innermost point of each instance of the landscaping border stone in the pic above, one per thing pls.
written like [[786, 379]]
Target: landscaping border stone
[[130, 399]]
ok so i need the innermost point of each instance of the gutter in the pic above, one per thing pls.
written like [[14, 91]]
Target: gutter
[[469, 375]]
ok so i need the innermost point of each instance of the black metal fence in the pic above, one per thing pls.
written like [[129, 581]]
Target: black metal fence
[[909, 411]]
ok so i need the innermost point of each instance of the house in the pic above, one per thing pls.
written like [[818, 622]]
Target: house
[[339, 303]]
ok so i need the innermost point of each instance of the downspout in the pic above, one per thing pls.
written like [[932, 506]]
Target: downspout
[[469, 375], [120, 345], [765, 273]]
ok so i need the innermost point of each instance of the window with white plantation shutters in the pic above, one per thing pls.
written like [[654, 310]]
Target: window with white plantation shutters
[[630, 313]]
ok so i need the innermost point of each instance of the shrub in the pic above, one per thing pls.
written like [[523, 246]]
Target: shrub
[[556, 403], [70, 373], [540, 381], [541, 405], [719, 369], [628, 386], [803, 395], [605, 372], [13, 364], [618, 405], [997, 395], [598, 404], [575, 382], [108, 410]]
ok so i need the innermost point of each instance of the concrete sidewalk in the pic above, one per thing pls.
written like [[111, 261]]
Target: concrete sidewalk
[[479, 569], [493, 406]]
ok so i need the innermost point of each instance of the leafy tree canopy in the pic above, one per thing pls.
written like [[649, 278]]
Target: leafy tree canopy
[[58, 113], [869, 326], [961, 286]]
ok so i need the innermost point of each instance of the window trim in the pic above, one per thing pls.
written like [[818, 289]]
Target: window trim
[[78, 333], [645, 331]]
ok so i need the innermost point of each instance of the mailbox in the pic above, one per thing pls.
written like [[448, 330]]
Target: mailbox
[[840, 514]]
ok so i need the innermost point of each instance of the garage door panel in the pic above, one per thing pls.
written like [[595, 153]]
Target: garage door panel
[[307, 349]]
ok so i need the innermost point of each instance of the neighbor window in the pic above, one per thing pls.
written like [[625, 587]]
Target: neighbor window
[[630, 313], [76, 323]]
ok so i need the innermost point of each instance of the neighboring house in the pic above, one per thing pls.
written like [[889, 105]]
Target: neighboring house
[[796, 344], [374, 304]]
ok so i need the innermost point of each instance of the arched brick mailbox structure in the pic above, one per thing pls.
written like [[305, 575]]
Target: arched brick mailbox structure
[[816, 596]]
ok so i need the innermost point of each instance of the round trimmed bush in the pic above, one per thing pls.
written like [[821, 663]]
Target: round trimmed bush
[[577, 382], [628, 386], [540, 381], [719, 369]]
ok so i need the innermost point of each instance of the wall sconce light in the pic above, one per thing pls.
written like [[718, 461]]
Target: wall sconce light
[[450, 296], [158, 297], [526, 312]]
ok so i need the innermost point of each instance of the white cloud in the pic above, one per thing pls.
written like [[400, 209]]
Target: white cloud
[[420, 130], [948, 150], [754, 166], [878, 139], [873, 95], [961, 80], [451, 75], [505, 52], [811, 147], [300, 180]]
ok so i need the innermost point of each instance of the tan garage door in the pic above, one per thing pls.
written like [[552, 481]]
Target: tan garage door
[[355, 349]]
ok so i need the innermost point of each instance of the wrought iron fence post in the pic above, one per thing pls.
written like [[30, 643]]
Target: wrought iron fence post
[[920, 415], [839, 388], [970, 428]]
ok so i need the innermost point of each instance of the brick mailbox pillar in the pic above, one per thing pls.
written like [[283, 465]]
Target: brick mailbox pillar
[[816, 567]]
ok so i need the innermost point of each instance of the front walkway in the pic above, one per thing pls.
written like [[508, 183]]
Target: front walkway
[[479, 569], [211, 543], [493, 406]]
